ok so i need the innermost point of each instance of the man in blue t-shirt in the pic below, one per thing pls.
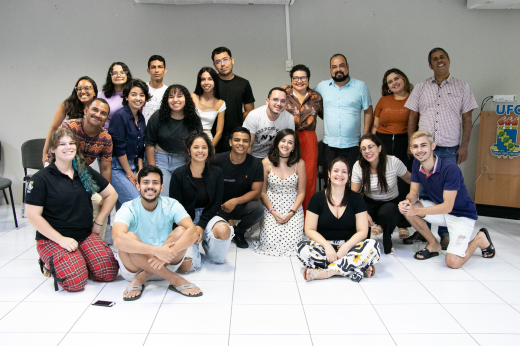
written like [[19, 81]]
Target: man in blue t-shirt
[[147, 246], [450, 206]]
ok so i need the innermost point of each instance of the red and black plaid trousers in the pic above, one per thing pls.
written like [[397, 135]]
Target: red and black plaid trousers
[[92, 259]]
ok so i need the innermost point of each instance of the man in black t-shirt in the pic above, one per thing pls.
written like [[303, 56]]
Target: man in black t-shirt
[[235, 91], [243, 180]]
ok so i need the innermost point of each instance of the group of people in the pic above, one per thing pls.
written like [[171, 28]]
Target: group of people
[[184, 169]]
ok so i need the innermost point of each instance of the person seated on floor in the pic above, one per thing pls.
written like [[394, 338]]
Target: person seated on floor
[[147, 246], [450, 206], [59, 206], [375, 176], [337, 225], [243, 180], [95, 143], [199, 187]]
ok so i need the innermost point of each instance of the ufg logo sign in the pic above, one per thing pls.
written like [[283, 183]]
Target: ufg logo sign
[[507, 132]]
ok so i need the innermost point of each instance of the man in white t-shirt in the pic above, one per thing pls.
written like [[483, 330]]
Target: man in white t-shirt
[[156, 69], [266, 121]]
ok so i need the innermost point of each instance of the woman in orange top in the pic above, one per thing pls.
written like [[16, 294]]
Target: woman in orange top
[[391, 126], [305, 105]]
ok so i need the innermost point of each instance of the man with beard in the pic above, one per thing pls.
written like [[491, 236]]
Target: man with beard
[[147, 246], [450, 205], [444, 103], [96, 143], [235, 91], [266, 121], [343, 100], [243, 181]]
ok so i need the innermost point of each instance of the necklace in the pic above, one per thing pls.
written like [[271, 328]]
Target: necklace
[[87, 144]]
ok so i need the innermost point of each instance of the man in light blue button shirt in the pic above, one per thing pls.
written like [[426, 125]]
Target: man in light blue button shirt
[[343, 100]]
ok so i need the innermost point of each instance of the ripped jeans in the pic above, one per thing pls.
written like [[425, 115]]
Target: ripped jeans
[[215, 249]]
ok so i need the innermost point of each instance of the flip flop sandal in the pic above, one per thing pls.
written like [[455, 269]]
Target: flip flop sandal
[[426, 254], [490, 250], [134, 288], [404, 233], [178, 289], [377, 230], [373, 271], [314, 275]]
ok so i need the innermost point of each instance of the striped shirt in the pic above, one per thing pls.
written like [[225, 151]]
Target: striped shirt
[[441, 107], [394, 168]]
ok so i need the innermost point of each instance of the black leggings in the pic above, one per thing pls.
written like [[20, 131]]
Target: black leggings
[[387, 215]]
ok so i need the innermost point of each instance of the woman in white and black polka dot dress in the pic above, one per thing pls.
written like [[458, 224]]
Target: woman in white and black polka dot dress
[[284, 190]]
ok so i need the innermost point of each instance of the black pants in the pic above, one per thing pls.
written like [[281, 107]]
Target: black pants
[[386, 214], [397, 145], [248, 213], [330, 153]]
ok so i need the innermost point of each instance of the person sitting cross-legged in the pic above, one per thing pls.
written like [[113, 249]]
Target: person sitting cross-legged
[[450, 206], [337, 226], [148, 248]]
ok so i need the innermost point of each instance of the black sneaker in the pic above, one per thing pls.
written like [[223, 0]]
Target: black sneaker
[[240, 241]]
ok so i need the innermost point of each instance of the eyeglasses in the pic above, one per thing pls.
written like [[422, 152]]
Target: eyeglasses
[[116, 73], [219, 62], [85, 88], [370, 147], [297, 79]]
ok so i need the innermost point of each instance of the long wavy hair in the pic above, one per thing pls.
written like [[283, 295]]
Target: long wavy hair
[[191, 117], [108, 88], [381, 166], [328, 189], [407, 85], [78, 162], [72, 106], [198, 88], [274, 151]]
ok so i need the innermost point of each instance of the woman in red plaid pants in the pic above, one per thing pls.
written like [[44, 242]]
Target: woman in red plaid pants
[[59, 206]]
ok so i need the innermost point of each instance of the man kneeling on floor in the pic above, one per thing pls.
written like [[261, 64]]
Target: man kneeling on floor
[[147, 246], [450, 206]]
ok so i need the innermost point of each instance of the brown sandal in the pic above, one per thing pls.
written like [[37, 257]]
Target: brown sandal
[[404, 233], [377, 230]]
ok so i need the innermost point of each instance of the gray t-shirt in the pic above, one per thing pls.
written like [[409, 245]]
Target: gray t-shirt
[[265, 130]]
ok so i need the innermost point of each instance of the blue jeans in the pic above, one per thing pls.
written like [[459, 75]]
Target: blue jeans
[[167, 163], [126, 191], [215, 249], [449, 154]]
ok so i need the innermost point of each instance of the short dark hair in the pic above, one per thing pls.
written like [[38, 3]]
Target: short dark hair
[[214, 75], [135, 83], [98, 99], [241, 129], [274, 151], [407, 85], [436, 49], [338, 54], [220, 50], [300, 67], [273, 89], [156, 57], [149, 169]]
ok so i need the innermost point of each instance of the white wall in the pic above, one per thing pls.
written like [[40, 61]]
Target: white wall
[[46, 46]]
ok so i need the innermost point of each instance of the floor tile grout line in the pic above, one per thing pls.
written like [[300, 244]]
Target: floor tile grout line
[[67, 333], [157, 313], [232, 296], [301, 301]]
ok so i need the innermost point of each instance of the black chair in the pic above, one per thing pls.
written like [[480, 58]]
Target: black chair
[[4, 184], [321, 170], [31, 159]]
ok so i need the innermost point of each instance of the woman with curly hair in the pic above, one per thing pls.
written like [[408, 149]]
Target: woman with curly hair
[[284, 190], [59, 206], [72, 108], [209, 105], [166, 130], [127, 130], [118, 77]]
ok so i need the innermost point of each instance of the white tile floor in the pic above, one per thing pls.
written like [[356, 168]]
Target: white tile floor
[[258, 300]]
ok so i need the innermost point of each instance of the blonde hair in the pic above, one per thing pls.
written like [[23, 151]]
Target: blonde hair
[[419, 134]]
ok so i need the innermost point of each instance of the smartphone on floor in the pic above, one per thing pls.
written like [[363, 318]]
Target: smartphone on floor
[[104, 303]]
